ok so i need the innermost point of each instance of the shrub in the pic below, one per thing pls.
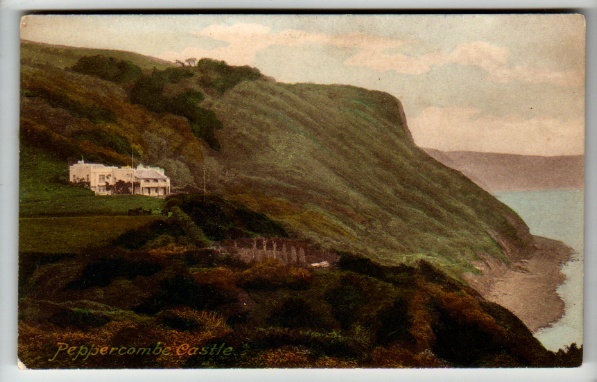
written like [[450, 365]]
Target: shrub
[[295, 313], [345, 300], [104, 270], [148, 91], [108, 68], [221, 77], [221, 219], [106, 139], [182, 290], [189, 227], [58, 99], [78, 319], [272, 274]]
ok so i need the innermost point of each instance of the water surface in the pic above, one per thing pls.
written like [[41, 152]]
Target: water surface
[[557, 214]]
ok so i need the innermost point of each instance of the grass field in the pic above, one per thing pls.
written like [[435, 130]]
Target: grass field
[[70, 234], [58, 217], [44, 191]]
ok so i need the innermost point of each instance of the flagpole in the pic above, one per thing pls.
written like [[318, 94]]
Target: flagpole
[[133, 176]]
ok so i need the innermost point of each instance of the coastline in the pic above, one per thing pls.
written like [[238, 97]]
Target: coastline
[[527, 286]]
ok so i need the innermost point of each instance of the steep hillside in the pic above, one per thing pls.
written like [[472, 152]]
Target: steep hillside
[[337, 165], [333, 164], [506, 172]]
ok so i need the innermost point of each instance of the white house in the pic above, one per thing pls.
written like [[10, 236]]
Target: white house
[[104, 180]]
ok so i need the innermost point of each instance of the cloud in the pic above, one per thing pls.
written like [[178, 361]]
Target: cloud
[[245, 40], [466, 129], [491, 58], [382, 54]]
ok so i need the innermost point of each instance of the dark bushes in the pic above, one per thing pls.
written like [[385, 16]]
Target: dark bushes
[[148, 91], [395, 324], [221, 77], [270, 274], [221, 219], [104, 139], [58, 99], [78, 319], [346, 300], [137, 238], [294, 313], [182, 290], [105, 269], [108, 68]]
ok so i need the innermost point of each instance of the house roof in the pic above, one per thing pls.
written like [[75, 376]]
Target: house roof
[[149, 174]]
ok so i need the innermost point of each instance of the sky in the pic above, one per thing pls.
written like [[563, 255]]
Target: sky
[[491, 83]]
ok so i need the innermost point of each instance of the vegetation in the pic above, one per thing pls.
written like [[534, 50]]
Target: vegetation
[[221, 219], [333, 166], [45, 191], [221, 77], [268, 314], [108, 68], [33, 53], [71, 234], [59, 99], [148, 91], [289, 152]]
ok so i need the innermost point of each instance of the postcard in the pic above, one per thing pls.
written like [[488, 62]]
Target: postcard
[[301, 191]]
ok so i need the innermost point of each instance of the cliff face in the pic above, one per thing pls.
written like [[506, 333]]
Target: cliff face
[[337, 164], [334, 164]]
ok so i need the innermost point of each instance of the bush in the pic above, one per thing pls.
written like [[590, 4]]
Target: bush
[[188, 226], [270, 274], [104, 270], [78, 319], [137, 238], [58, 99], [221, 77], [147, 91], [221, 219], [182, 290], [108, 68], [345, 300], [104, 139]]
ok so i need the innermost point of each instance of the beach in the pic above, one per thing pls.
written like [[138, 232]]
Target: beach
[[527, 286]]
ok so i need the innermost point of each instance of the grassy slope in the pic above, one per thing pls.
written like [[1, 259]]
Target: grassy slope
[[44, 191], [72, 234], [66, 56], [56, 217], [337, 165]]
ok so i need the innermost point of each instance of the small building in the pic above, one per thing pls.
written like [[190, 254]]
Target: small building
[[110, 180]]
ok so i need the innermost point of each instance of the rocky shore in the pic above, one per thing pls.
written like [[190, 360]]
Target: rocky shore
[[527, 286]]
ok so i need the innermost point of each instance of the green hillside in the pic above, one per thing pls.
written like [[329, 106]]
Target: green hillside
[[311, 172], [66, 56], [335, 165]]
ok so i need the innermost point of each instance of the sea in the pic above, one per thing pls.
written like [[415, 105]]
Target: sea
[[559, 215]]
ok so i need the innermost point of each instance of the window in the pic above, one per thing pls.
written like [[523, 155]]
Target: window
[[102, 178]]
